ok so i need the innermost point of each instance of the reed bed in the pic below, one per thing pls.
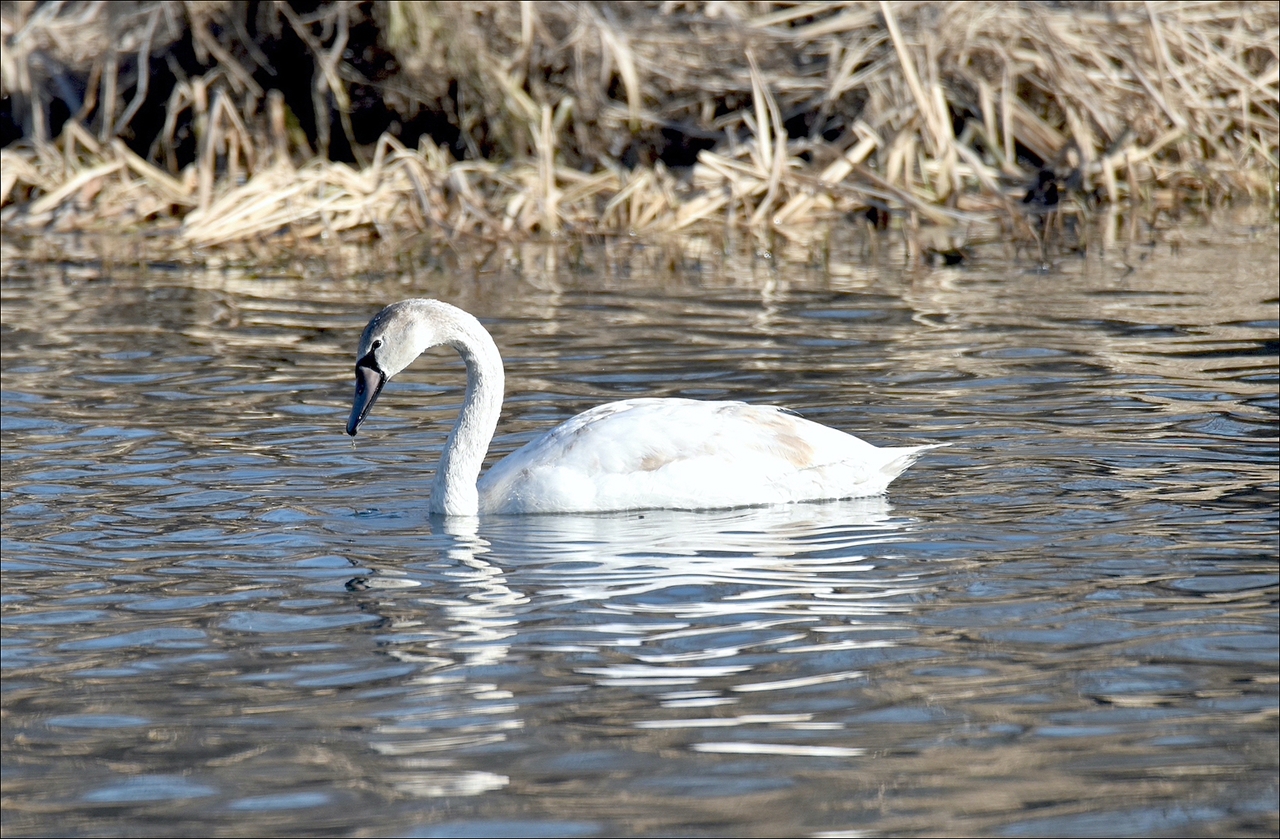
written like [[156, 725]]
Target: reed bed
[[951, 121]]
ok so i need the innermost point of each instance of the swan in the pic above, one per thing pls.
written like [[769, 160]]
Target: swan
[[635, 454]]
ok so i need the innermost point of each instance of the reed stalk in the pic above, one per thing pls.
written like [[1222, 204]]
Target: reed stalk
[[645, 119]]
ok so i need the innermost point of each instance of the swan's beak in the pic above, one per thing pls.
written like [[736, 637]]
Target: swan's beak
[[369, 382]]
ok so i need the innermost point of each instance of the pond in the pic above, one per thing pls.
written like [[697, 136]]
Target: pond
[[220, 617]]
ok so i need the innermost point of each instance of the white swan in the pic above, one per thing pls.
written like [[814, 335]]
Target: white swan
[[628, 455]]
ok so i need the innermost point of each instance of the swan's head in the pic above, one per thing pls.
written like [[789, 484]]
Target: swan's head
[[392, 340]]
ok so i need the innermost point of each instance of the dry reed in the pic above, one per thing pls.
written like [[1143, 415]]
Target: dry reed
[[795, 115]]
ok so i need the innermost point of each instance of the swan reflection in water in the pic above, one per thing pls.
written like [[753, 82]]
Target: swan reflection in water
[[462, 625], [609, 560], [663, 599]]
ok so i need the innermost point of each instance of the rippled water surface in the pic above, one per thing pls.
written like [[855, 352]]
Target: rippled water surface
[[220, 618]]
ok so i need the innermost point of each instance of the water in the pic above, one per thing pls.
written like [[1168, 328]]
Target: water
[[220, 618]]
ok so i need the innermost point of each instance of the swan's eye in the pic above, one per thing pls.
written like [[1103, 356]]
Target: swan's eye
[[376, 343]]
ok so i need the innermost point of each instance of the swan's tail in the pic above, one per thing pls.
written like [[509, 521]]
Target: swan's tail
[[897, 459]]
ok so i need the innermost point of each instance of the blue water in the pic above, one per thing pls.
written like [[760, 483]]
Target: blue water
[[221, 618]]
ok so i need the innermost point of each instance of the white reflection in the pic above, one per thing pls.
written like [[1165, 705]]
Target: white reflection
[[780, 530], [726, 722], [449, 710], [484, 619], [766, 560], [446, 784], [676, 600], [789, 684], [694, 592], [738, 748]]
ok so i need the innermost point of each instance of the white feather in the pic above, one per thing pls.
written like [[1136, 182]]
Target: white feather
[[635, 454]]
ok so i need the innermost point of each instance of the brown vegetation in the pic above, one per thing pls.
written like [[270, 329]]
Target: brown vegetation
[[231, 121]]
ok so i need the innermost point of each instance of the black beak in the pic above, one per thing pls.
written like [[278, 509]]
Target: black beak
[[369, 382]]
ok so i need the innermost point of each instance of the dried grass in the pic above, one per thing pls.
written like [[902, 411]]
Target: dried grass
[[928, 110]]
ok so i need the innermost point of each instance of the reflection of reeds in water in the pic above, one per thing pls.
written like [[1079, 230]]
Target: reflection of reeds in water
[[579, 119]]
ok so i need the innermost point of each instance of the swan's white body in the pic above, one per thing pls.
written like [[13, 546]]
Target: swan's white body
[[686, 455], [634, 454]]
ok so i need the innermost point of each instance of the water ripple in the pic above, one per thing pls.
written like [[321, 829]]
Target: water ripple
[[220, 617]]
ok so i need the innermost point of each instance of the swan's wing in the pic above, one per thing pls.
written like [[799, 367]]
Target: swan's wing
[[686, 454]]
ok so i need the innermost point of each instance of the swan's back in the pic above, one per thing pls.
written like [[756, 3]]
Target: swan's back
[[686, 454]]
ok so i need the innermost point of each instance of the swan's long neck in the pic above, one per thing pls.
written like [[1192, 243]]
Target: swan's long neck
[[454, 491]]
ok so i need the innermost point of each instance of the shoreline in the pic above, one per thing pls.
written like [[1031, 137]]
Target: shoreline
[[970, 123]]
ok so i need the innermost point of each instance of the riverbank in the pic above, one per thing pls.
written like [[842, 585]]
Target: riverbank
[[955, 124]]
